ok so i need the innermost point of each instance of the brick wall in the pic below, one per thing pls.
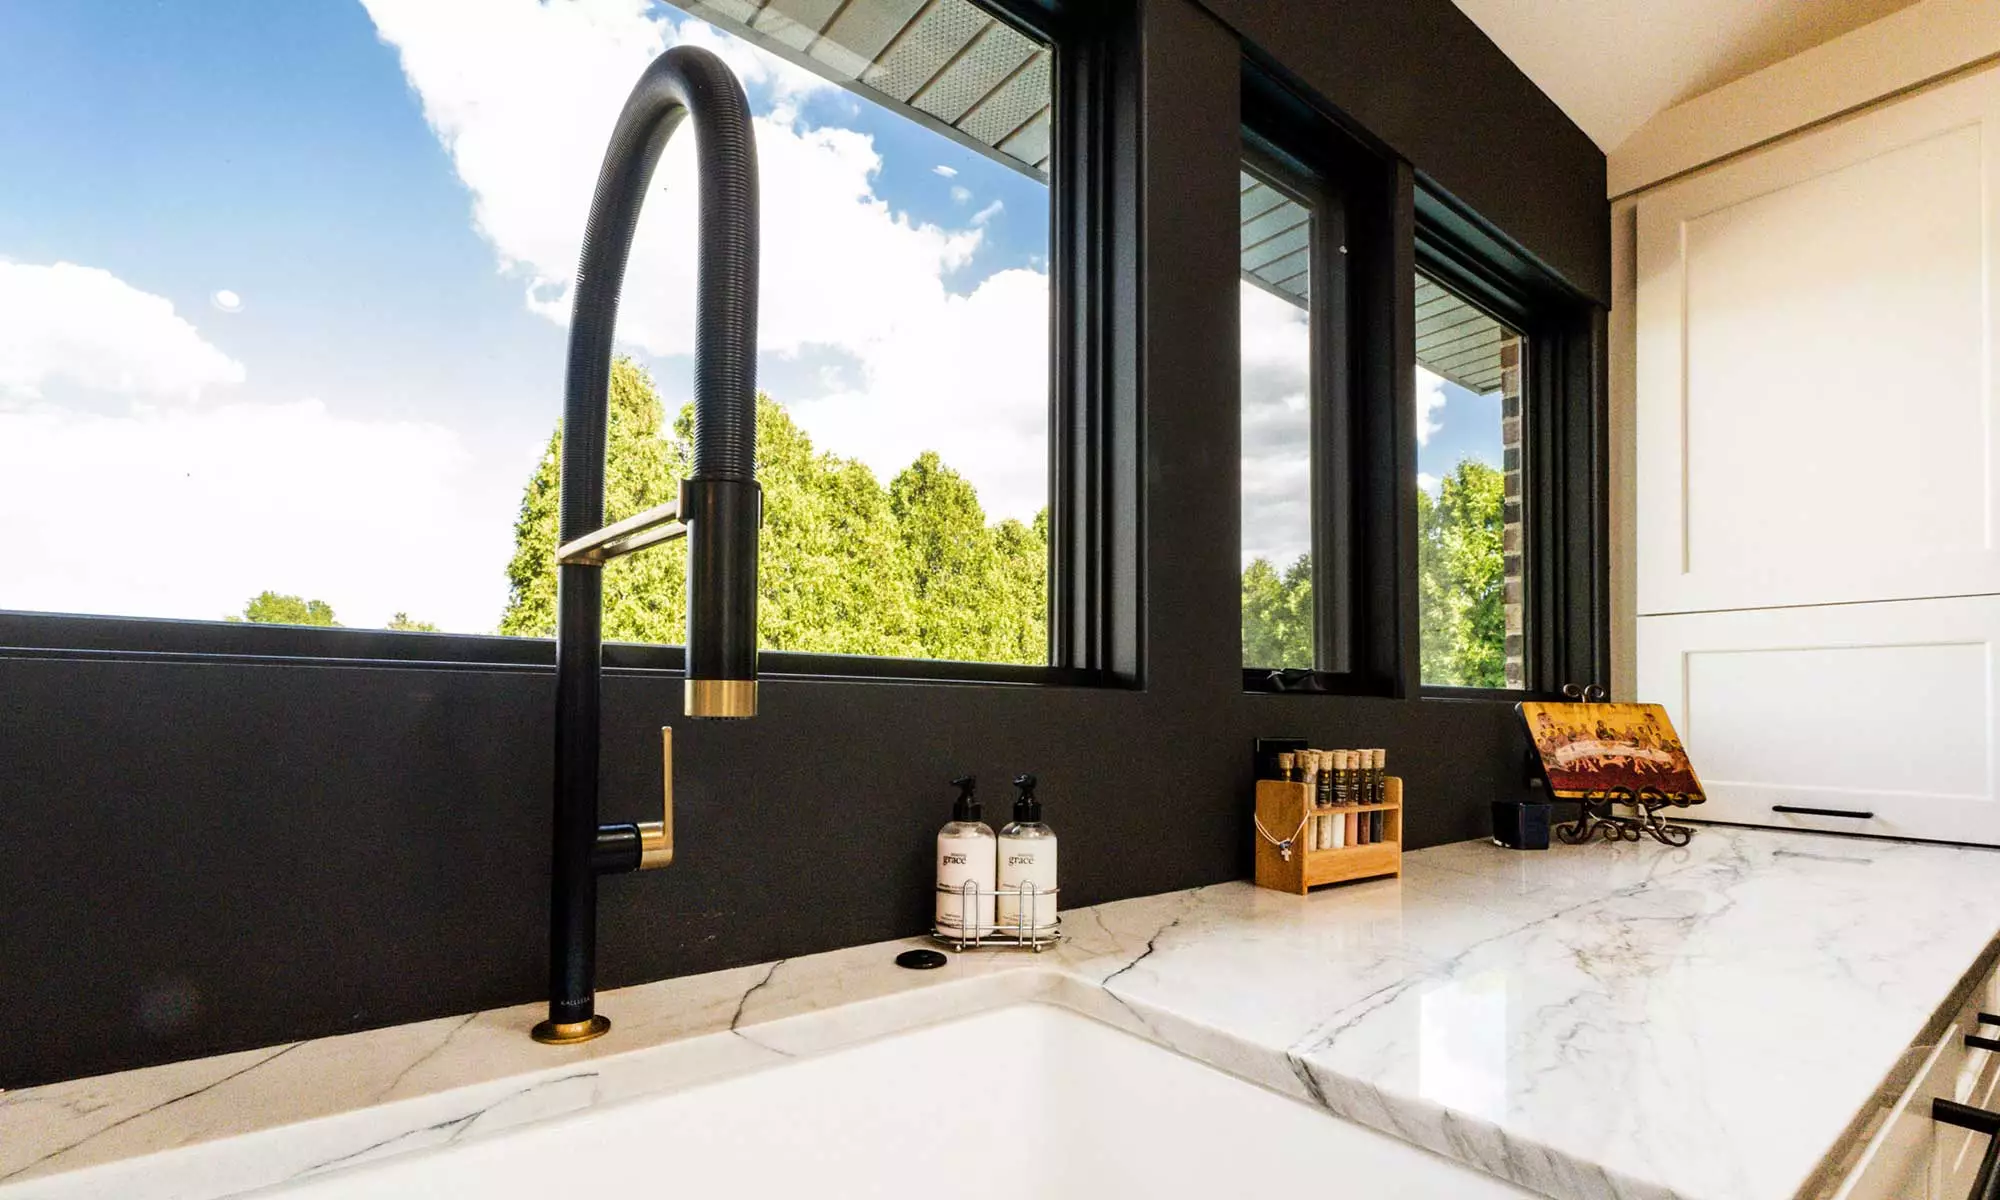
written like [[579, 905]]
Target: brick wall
[[1511, 533]]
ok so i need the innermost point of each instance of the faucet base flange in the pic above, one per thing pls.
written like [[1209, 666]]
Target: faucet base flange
[[569, 1033]]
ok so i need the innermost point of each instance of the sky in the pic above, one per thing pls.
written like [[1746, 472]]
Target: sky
[[1453, 424], [283, 291]]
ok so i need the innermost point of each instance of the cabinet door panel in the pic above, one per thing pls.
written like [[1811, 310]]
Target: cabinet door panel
[[1816, 366], [1886, 709]]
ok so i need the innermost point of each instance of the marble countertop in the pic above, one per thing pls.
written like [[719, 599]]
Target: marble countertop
[[1603, 1021]]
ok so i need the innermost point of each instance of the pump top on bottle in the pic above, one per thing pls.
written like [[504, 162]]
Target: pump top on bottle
[[1027, 809], [1027, 881], [966, 807]]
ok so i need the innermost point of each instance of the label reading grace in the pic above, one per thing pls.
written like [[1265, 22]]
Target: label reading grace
[[962, 859], [1029, 860]]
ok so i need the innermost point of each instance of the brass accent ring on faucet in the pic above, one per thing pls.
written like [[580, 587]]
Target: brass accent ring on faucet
[[569, 1033], [721, 698]]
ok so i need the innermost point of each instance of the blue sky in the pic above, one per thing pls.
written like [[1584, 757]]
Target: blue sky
[[1466, 425], [392, 192]]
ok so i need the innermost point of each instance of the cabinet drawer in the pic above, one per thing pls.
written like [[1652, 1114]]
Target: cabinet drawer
[[1956, 1153], [1890, 712], [1910, 1156]]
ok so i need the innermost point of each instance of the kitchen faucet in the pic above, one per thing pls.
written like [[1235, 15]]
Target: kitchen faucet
[[718, 509]]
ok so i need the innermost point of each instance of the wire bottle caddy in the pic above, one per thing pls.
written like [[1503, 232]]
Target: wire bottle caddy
[[1026, 929]]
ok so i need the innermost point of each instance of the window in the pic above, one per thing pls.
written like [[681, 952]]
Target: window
[[1472, 594], [287, 308], [1275, 298]]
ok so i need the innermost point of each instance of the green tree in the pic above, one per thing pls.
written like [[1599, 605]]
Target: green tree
[[1461, 589], [830, 575], [274, 608], [1021, 590], [643, 469], [960, 569], [403, 622], [1461, 578], [844, 566], [1278, 614]]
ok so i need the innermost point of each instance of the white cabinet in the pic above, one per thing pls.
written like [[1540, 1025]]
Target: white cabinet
[[1815, 365], [1817, 508], [1887, 709]]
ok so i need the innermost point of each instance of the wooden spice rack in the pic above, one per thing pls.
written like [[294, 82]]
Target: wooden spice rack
[[1281, 807]]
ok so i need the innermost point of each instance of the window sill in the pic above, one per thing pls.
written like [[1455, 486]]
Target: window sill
[[1266, 681], [1431, 691], [61, 635]]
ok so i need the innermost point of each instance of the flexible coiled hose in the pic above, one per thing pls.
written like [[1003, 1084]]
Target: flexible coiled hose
[[685, 80]]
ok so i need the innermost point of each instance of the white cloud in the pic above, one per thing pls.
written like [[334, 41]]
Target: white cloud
[[988, 213], [226, 301], [967, 377], [1430, 398], [523, 96], [372, 516], [961, 194], [947, 172], [1427, 482], [1276, 354], [87, 327]]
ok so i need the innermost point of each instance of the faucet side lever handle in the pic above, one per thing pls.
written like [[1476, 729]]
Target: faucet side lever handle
[[644, 845], [656, 838]]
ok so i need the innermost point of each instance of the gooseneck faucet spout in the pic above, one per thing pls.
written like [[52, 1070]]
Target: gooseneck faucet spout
[[719, 507]]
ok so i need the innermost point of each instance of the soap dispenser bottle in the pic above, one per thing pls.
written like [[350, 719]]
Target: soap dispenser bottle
[[965, 855], [1027, 856]]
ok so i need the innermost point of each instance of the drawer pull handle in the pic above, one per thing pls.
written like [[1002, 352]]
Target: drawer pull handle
[[1982, 1043], [1987, 1018], [1986, 1184], [1823, 812]]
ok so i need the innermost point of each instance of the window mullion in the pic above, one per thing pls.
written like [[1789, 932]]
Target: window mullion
[[1334, 476]]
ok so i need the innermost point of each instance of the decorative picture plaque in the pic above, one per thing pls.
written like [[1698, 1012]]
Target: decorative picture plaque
[[1610, 755]]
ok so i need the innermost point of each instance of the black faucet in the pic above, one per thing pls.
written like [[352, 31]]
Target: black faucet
[[719, 507]]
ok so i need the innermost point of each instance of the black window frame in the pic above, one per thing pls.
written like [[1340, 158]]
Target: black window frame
[[1354, 186], [1328, 400], [1397, 223], [1466, 281], [1565, 611], [1094, 572]]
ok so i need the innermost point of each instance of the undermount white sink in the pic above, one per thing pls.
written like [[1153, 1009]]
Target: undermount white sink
[[1018, 1103]]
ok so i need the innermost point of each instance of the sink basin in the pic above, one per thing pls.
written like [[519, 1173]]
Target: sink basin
[[1018, 1103]]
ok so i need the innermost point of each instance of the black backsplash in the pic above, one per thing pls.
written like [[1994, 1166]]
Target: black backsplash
[[366, 847]]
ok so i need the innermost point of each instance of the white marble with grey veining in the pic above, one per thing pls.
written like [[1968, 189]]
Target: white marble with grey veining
[[1632, 1021]]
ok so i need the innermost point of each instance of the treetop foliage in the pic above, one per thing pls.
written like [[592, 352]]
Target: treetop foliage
[[845, 565], [913, 570], [271, 608], [1460, 588], [1461, 578]]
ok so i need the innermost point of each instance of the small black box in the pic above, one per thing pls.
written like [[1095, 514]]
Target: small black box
[[1520, 826], [1267, 751]]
